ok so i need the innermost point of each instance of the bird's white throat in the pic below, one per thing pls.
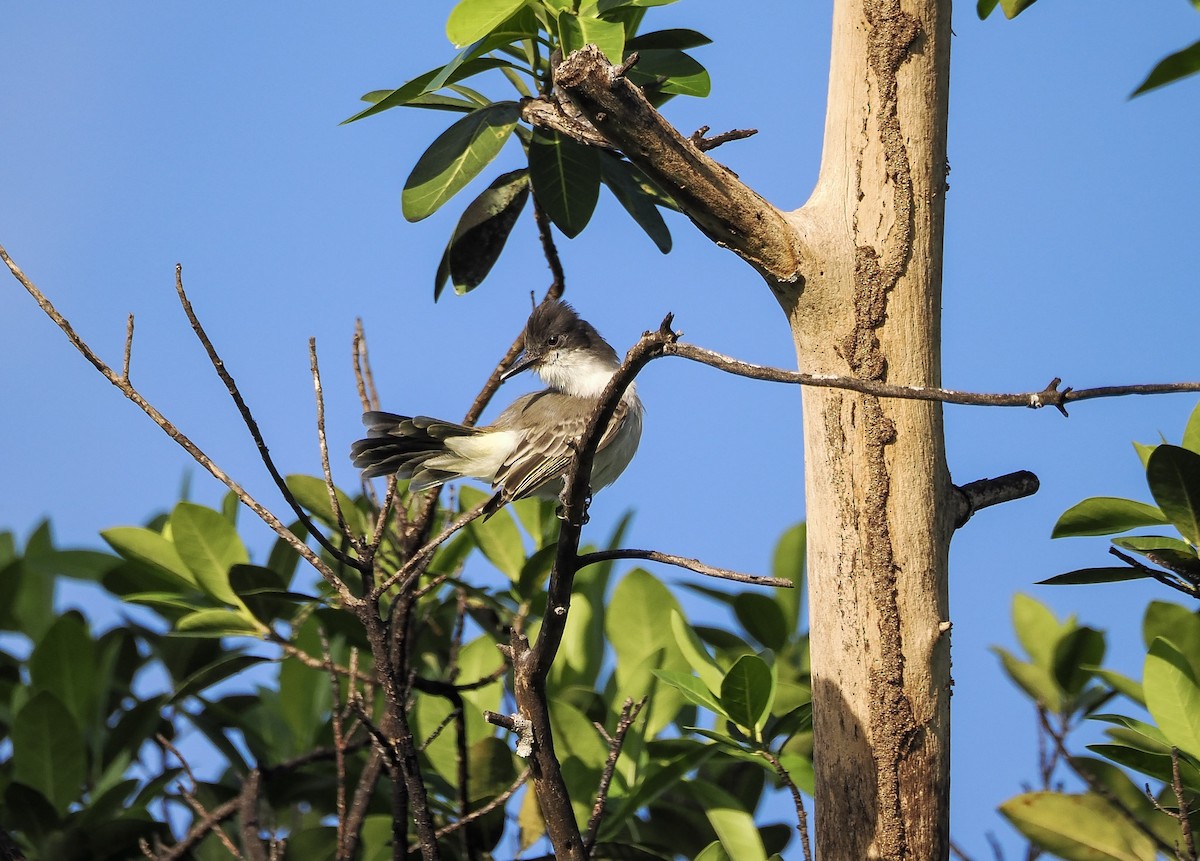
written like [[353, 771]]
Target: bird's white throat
[[579, 374]]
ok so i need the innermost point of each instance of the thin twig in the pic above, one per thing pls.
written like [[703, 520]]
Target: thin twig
[[323, 446], [335, 717], [251, 424], [629, 713], [415, 564], [498, 801], [1184, 814], [127, 389], [128, 349], [705, 144], [248, 809], [1100, 789], [797, 800], [357, 814], [696, 565]]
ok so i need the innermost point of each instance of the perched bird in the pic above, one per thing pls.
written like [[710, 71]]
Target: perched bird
[[529, 446]]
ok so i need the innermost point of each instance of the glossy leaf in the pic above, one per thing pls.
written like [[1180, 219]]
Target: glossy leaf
[[1036, 681], [1077, 827], [1074, 652], [1173, 474], [1037, 629], [473, 19], [1172, 68], [694, 651], [693, 689], [684, 75], [418, 90], [149, 548], [64, 663], [1094, 575], [1175, 623], [498, 536], [1170, 553], [763, 619], [713, 852], [219, 623], [1173, 696], [457, 157], [734, 826], [748, 691], [576, 30], [679, 39], [1106, 515], [48, 750], [1191, 431], [622, 180], [566, 180], [1123, 685], [209, 546], [313, 495], [481, 233]]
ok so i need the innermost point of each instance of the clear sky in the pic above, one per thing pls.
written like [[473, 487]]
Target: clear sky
[[141, 134]]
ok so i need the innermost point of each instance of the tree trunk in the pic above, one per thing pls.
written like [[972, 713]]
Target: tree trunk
[[877, 487], [858, 271]]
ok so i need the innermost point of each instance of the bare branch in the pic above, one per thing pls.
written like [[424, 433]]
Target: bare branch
[[323, 446], [416, 563], [248, 811], [629, 713], [797, 800], [548, 112], [1183, 815], [696, 565], [704, 144], [252, 425], [992, 491], [128, 349], [1050, 396]]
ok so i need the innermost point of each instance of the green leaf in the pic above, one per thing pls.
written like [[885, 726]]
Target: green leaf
[[1106, 515], [474, 19], [734, 826], [1175, 623], [983, 8], [633, 621], [1013, 8], [64, 662], [313, 495], [1073, 654], [209, 546], [694, 651], [1168, 552], [625, 182], [1037, 629], [788, 563], [693, 689], [1173, 696], [713, 852], [1123, 685], [1036, 681], [566, 180], [1191, 433], [1173, 474], [1094, 575], [684, 75], [417, 91], [748, 691], [219, 623], [457, 157], [576, 30], [498, 536], [763, 619], [481, 233], [1172, 68], [676, 38], [47, 750], [149, 548], [1144, 452], [1077, 827]]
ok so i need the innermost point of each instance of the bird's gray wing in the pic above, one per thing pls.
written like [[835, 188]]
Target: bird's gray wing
[[552, 423]]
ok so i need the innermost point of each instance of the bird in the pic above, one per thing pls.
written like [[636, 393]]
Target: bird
[[528, 449]]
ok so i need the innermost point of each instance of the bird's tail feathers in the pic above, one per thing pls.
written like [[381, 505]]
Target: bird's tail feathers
[[403, 445]]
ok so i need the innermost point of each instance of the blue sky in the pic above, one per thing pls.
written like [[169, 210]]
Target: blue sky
[[142, 134]]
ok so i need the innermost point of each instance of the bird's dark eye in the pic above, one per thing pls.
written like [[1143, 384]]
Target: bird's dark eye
[[553, 340]]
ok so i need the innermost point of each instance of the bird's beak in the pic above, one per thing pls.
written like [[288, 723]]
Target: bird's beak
[[524, 362]]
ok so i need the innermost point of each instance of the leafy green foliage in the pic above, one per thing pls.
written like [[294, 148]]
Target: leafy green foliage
[[83, 710], [515, 40], [1173, 476]]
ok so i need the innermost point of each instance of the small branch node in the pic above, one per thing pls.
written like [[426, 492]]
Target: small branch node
[[520, 726], [705, 144], [623, 69], [993, 491]]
